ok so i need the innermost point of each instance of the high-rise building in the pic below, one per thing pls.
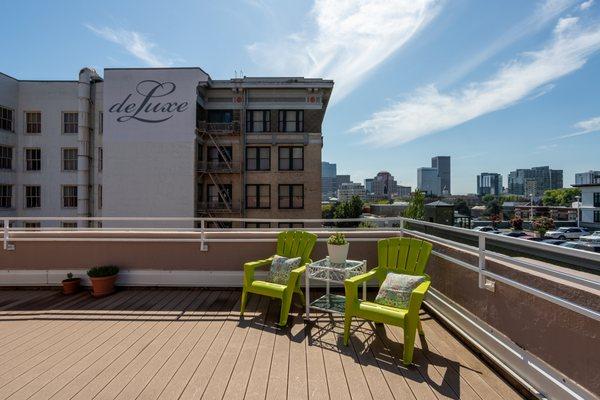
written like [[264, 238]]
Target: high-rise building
[[587, 178], [534, 181], [384, 185], [369, 185], [442, 163], [341, 179], [328, 180], [489, 183], [429, 181], [143, 142]]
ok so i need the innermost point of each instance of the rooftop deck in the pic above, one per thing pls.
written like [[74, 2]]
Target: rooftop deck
[[191, 343]]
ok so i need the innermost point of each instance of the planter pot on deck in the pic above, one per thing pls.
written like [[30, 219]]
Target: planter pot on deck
[[338, 254], [103, 286], [71, 286]]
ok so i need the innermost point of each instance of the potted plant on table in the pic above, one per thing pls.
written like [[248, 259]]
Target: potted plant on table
[[71, 285], [103, 280], [337, 247]]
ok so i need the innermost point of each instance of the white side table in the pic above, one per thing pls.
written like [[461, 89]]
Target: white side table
[[325, 271]]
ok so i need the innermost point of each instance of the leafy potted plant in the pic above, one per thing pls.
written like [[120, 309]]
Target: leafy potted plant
[[337, 247], [103, 280], [541, 225], [71, 285]]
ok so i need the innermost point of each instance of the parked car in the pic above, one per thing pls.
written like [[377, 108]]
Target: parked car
[[556, 242], [581, 245], [487, 229], [567, 233], [571, 245], [594, 237], [517, 234]]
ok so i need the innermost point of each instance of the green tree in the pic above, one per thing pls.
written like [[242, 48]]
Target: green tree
[[492, 208], [348, 209], [416, 206], [488, 197], [462, 207], [560, 197]]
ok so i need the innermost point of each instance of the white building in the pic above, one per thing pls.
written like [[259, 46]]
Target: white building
[[586, 178], [161, 142], [590, 205], [348, 190]]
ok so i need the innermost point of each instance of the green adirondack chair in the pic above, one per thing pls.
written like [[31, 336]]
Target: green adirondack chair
[[289, 244], [400, 255]]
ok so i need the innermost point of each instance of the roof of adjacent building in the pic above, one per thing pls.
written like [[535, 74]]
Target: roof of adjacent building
[[439, 204]]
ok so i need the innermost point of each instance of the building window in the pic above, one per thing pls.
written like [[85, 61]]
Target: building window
[[220, 116], [100, 159], [69, 224], [258, 121], [6, 157], [100, 122], [219, 224], [33, 196], [290, 225], [99, 197], [258, 196], [596, 199], [216, 154], [69, 195], [258, 158], [69, 159], [33, 122], [33, 159], [70, 122], [291, 121], [291, 158], [32, 225], [291, 196], [596, 216], [6, 119], [257, 225], [5, 196], [216, 196]]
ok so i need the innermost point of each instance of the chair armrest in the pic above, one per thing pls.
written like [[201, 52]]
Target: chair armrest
[[358, 279], [351, 288], [250, 266], [417, 296]]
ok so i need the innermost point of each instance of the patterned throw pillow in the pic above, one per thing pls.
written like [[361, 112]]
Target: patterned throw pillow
[[396, 289], [281, 268]]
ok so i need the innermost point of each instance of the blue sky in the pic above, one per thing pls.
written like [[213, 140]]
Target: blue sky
[[497, 85]]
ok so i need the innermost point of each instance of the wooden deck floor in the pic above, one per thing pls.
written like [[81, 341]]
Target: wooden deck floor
[[191, 344]]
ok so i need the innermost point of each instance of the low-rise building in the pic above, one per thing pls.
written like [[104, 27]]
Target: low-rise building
[[586, 178], [351, 189], [590, 205]]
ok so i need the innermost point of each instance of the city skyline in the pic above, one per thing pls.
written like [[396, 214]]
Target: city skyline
[[517, 94]]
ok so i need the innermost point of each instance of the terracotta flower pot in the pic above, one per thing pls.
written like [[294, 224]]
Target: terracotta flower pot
[[103, 286], [71, 286]]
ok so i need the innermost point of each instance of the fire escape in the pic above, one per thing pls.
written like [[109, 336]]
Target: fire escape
[[216, 169]]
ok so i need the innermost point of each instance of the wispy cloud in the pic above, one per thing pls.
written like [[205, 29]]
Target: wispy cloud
[[428, 110], [584, 127], [134, 43], [586, 4], [350, 39]]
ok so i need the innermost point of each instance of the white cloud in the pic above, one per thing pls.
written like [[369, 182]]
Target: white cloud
[[428, 110], [584, 127], [134, 42], [346, 39], [586, 4]]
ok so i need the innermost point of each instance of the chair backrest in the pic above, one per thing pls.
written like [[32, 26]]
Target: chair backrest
[[403, 255], [296, 244]]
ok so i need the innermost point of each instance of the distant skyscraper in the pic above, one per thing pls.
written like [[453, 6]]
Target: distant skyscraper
[[534, 181], [489, 183], [328, 180], [587, 178], [442, 163], [384, 185], [369, 185], [429, 181]]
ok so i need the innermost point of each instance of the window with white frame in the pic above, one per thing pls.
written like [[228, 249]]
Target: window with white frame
[[5, 196], [69, 160], [100, 159], [258, 121], [70, 122], [33, 196], [33, 122], [69, 196], [6, 119], [6, 157], [291, 121], [33, 159]]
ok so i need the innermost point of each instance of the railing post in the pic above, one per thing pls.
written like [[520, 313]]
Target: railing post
[[5, 228], [203, 245], [481, 261], [402, 226]]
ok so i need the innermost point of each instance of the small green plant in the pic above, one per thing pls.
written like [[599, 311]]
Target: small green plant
[[101, 272], [70, 276], [337, 239], [542, 225]]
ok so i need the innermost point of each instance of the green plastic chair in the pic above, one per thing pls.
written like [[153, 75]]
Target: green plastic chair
[[400, 255], [289, 244]]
